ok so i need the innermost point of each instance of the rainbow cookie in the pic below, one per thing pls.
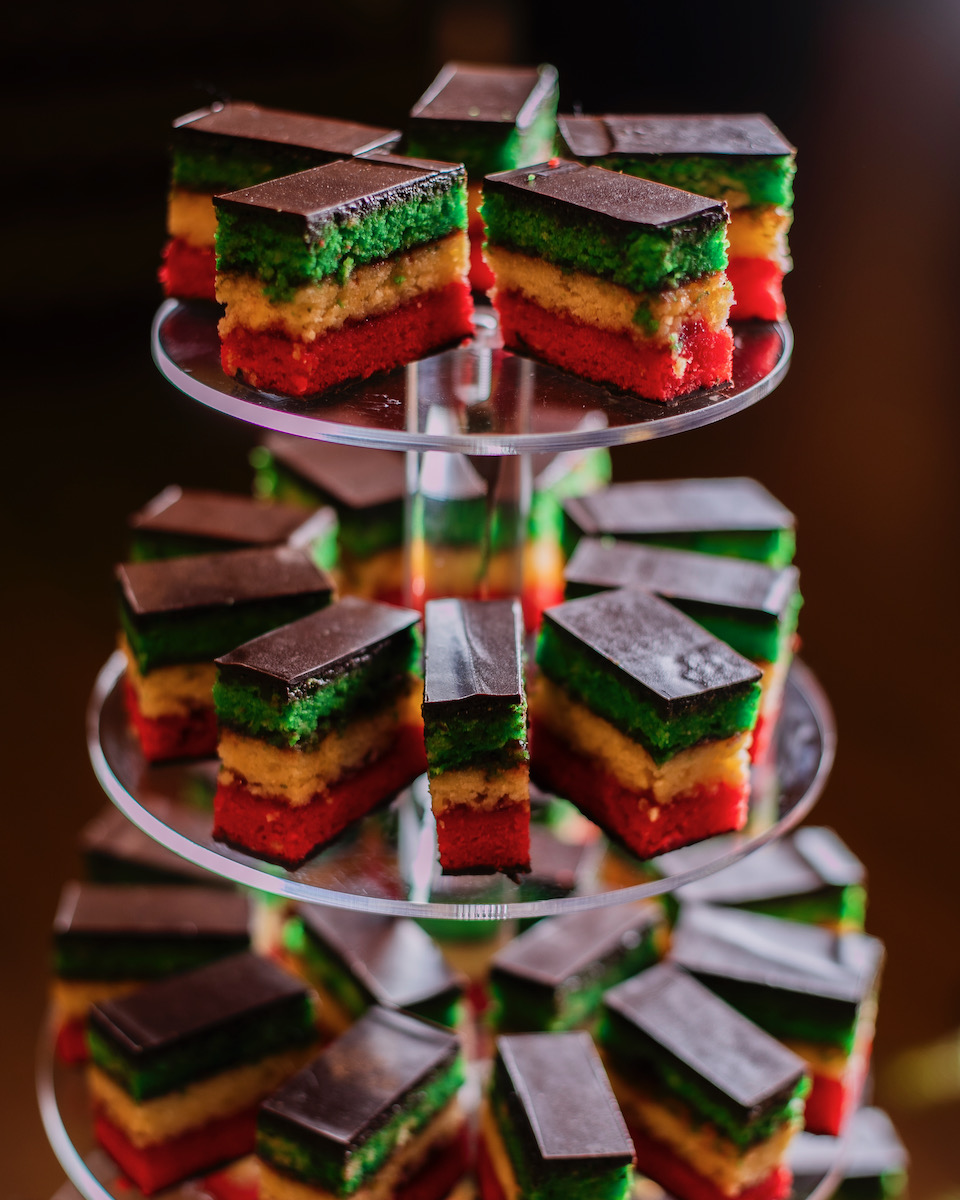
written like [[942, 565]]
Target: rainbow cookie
[[740, 158], [319, 724], [115, 851], [614, 278], [875, 1160], [235, 145], [341, 271]]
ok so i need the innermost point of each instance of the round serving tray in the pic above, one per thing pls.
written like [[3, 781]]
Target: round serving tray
[[492, 401], [387, 862]]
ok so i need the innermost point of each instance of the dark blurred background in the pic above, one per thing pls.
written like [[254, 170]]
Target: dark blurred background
[[860, 440]]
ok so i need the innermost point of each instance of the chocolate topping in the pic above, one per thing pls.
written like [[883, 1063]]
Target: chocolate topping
[[351, 475], [560, 1082], [103, 910], [110, 836], [679, 506], [352, 1088], [623, 199], [319, 643], [726, 134], [734, 585], [554, 865], [871, 1149], [194, 513], [474, 652], [482, 94], [650, 643], [250, 122], [786, 956], [712, 1039], [393, 958], [558, 948], [195, 1003], [212, 580]]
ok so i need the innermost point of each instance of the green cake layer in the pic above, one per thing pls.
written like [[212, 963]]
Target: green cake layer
[[764, 180], [639, 259], [486, 151], [808, 1018], [775, 547], [633, 711], [227, 164], [467, 522], [842, 906], [761, 639], [494, 734], [133, 957]]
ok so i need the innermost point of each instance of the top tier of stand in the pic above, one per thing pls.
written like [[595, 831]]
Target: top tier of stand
[[476, 399]]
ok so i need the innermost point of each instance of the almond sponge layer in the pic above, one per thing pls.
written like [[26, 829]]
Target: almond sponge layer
[[757, 289], [192, 218], [188, 735], [188, 272], [477, 840], [760, 233]]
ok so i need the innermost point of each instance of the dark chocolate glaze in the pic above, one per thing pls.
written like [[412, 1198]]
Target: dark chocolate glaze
[[352, 1088], [741, 135], [647, 641], [195, 1003], [251, 123], [110, 837], [143, 911], [352, 476], [709, 1037], [554, 865], [474, 653], [628, 202], [679, 506], [317, 644], [784, 956], [734, 586], [193, 512], [566, 1097], [483, 94], [871, 1149], [214, 580], [393, 958], [558, 948]]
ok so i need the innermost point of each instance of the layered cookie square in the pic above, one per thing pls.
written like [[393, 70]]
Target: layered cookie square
[[375, 1115], [235, 145], [115, 851], [177, 615], [875, 1160], [319, 724], [740, 158], [475, 728], [338, 272], [551, 1125], [711, 1100], [614, 278], [643, 720], [179, 1067]]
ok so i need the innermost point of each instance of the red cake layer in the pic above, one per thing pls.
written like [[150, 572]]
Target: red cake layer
[[831, 1100], [763, 733], [625, 814], [615, 358], [162, 738], [439, 1173], [239, 1181], [71, 1043], [757, 289], [489, 1184], [188, 272], [154, 1167], [481, 277], [269, 828], [472, 840], [272, 361], [681, 1180]]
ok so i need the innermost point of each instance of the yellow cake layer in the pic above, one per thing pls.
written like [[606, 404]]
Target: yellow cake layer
[[296, 776], [701, 1145], [725, 761], [474, 787], [760, 232], [370, 291], [192, 217], [610, 306], [221, 1096], [377, 575], [413, 1149], [460, 570], [497, 1151], [72, 998], [174, 691]]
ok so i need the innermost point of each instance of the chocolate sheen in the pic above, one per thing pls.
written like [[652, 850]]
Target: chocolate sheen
[[250, 122], [486, 94], [557, 948], [159, 911], [560, 1081], [787, 956], [733, 584], [316, 643], [624, 199], [651, 643], [212, 580], [355, 1083], [393, 958], [195, 513], [679, 506], [194, 1003], [474, 652], [725, 134], [710, 1037], [351, 475]]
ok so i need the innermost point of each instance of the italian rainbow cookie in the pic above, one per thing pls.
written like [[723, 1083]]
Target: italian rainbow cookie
[[335, 273], [614, 278], [740, 158]]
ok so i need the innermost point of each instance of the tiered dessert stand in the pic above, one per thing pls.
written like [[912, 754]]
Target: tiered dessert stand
[[500, 410]]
